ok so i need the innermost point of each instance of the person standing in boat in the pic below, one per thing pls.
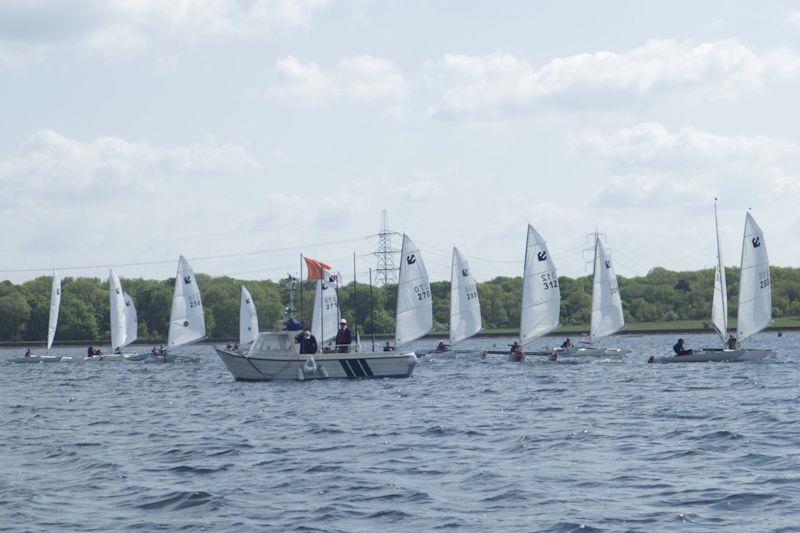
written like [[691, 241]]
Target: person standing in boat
[[567, 343], [732, 342], [307, 342], [344, 338], [388, 347], [679, 349]]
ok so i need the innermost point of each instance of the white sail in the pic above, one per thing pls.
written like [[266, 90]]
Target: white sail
[[465, 308], [541, 297], [186, 320], [326, 315], [116, 303], [719, 307], [248, 319], [755, 292], [55, 305], [131, 321], [414, 303], [607, 316]]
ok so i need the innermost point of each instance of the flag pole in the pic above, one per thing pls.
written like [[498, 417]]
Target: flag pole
[[355, 298], [302, 318]]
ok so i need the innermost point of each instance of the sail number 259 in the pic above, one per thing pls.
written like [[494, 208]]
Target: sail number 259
[[549, 280], [194, 302]]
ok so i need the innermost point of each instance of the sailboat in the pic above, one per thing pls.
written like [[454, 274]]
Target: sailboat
[[273, 355], [55, 305], [248, 320], [326, 314], [755, 302], [607, 315], [186, 319], [124, 323]]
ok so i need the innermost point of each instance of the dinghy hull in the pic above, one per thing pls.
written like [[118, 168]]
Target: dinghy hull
[[38, 359], [719, 356], [292, 366], [590, 351]]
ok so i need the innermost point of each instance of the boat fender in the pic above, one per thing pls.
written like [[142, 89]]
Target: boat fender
[[300, 375], [412, 358], [652, 359], [323, 372], [310, 366]]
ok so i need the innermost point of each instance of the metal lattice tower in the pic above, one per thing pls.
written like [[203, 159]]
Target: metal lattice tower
[[385, 269]]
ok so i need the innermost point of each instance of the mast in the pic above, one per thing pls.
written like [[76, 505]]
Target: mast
[[719, 308], [594, 277], [371, 310], [302, 318]]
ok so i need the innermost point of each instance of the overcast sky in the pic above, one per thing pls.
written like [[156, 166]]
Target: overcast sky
[[135, 130]]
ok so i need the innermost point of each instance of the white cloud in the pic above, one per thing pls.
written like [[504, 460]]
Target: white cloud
[[419, 190], [51, 168], [361, 77], [794, 17], [500, 82], [122, 28], [651, 165]]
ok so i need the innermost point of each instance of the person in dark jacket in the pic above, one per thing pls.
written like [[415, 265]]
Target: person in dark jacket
[[680, 350], [344, 338], [307, 342]]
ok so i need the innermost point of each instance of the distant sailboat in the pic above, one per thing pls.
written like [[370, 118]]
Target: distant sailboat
[[607, 316], [465, 307], [755, 302], [248, 320], [186, 321], [123, 323], [414, 303], [55, 305]]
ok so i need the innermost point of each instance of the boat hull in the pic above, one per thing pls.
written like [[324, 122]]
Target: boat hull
[[166, 358], [590, 351], [38, 359], [292, 366], [718, 356], [118, 357]]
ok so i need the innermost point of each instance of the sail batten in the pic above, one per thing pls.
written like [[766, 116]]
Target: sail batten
[[541, 296], [755, 291], [187, 321], [607, 315], [414, 304], [465, 307]]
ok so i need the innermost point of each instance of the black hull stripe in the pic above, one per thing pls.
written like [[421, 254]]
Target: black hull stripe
[[346, 368], [367, 369], [357, 368]]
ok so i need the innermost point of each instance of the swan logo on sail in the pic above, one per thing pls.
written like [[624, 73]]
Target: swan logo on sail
[[324, 286], [58, 292], [247, 300], [187, 279], [465, 272], [608, 263], [756, 241], [117, 290], [542, 256], [332, 278], [411, 259]]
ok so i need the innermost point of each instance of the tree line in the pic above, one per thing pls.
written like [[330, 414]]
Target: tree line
[[661, 295]]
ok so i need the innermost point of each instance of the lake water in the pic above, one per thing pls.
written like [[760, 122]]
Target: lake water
[[463, 444]]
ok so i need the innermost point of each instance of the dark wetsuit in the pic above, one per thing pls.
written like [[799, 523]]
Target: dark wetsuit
[[307, 346]]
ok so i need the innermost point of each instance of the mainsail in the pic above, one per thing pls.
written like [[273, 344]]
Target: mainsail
[[248, 319], [326, 315], [607, 316], [55, 304], [719, 307], [755, 292], [116, 303], [187, 322], [131, 321], [465, 308], [541, 298], [414, 304]]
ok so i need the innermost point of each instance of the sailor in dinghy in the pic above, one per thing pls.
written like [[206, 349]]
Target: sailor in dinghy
[[755, 302], [55, 305]]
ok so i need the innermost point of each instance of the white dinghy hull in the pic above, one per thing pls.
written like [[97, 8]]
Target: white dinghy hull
[[118, 357], [38, 359], [590, 351], [719, 356]]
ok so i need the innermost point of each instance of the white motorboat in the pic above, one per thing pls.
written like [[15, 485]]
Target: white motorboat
[[186, 319], [55, 305], [755, 303]]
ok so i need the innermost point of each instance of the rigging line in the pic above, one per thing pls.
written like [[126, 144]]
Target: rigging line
[[194, 259]]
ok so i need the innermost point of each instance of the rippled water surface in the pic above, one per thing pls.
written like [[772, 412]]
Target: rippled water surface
[[463, 444]]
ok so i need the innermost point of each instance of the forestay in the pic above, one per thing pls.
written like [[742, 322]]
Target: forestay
[[465, 308], [541, 297], [248, 319], [719, 306], [55, 305], [607, 316], [755, 292], [187, 322], [414, 304], [116, 303], [131, 321], [325, 319]]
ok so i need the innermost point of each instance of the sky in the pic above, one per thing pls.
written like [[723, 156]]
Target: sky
[[241, 133]]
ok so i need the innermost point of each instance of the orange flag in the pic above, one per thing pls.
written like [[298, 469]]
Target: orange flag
[[316, 268]]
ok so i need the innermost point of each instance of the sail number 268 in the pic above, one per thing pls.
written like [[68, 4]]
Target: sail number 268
[[549, 280], [763, 279]]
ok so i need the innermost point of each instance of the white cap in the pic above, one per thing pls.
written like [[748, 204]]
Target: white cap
[[343, 321]]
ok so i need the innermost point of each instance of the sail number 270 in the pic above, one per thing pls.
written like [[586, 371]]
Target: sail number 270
[[549, 280], [422, 291]]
